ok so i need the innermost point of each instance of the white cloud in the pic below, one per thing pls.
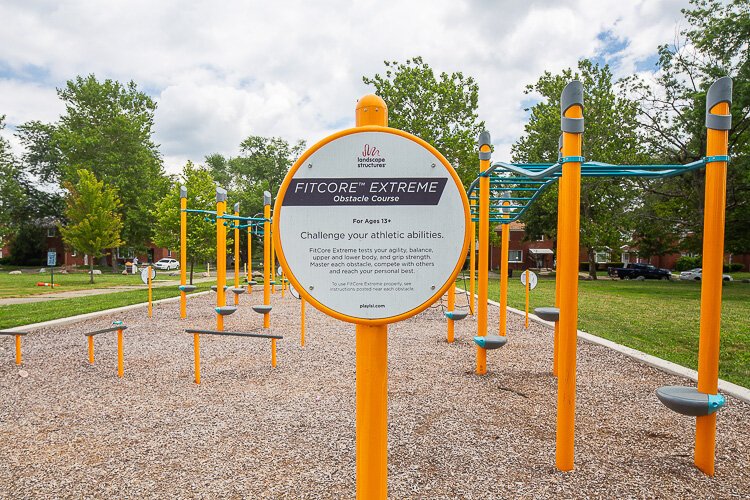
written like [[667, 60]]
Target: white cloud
[[221, 71]]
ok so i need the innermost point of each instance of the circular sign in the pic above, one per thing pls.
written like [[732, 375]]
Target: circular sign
[[144, 275], [532, 279], [371, 225]]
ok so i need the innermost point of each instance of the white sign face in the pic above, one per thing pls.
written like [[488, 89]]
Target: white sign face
[[52, 259], [144, 275], [372, 225], [532, 279]]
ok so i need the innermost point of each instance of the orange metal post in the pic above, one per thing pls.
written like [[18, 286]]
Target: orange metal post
[[221, 255], [718, 101], [249, 273], [505, 238], [372, 411], [150, 295], [484, 234], [183, 250], [236, 254], [120, 369], [273, 262], [527, 300], [472, 259], [267, 257], [451, 307], [91, 349], [572, 107], [561, 212], [197, 357], [302, 322], [18, 350]]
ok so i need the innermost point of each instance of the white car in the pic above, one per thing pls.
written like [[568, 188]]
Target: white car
[[695, 275], [167, 264]]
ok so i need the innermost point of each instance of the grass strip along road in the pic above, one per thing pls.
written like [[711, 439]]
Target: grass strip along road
[[656, 317], [26, 314]]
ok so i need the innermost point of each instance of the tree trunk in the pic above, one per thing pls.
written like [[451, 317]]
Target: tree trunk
[[192, 263], [91, 270], [592, 263], [114, 261]]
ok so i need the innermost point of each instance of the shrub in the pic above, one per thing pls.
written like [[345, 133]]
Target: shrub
[[733, 267], [685, 263]]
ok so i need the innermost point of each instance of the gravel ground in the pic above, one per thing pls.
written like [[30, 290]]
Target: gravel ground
[[68, 429]]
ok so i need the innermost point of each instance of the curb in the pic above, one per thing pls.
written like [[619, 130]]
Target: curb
[[96, 314], [734, 390]]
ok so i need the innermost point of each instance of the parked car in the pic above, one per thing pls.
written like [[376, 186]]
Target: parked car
[[640, 271], [695, 275], [167, 264]]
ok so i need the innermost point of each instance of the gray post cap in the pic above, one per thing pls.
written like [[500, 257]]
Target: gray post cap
[[720, 91], [183, 192], [237, 207], [572, 95], [266, 198], [221, 194], [484, 140]]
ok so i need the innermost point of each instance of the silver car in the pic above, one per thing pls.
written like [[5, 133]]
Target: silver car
[[695, 275], [167, 264]]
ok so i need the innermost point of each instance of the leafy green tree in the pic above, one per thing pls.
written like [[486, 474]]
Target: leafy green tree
[[201, 235], [610, 136], [11, 191], [442, 109], [107, 129], [94, 222], [715, 43]]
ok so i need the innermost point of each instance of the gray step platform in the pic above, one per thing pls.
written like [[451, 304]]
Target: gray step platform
[[213, 287], [238, 290], [490, 342], [252, 282], [235, 334], [225, 310], [688, 401], [548, 313], [187, 288], [262, 309], [456, 315]]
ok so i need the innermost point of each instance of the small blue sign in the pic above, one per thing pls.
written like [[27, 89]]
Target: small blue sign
[[52, 258]]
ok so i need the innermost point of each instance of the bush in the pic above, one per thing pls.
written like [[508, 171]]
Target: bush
[[686, 263], [734, 267], [28, 247]]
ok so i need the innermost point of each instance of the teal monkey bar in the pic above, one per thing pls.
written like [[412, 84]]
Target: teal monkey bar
[[519, 184]]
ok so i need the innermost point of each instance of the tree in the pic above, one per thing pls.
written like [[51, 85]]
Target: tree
[[11, 192], [106, 129], [94, 222], [672, 109], [441, 110], [201, 235], [610, 136]]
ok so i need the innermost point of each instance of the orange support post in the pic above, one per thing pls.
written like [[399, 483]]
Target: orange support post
[[451, 307], [221, 255], [570, 186], [718, 122], [183, 250], [197, 357], [527, 300], [19, 359], [273, 262], [91, 349], [472, 259], [484, 234], [249, 269], [120, 369], [267, 257], [561, 212], [150, 294], [505, 241], [236, 254]]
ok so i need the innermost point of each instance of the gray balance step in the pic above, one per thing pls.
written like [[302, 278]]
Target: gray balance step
[[548, 313], [490, 341], [688, 401], [456, 315], [262, 309], [238, 290], [187, 288], [213, 287], [225, 310]]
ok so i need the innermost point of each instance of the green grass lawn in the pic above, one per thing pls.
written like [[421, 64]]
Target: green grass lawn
[[657, 317], [25, 314]]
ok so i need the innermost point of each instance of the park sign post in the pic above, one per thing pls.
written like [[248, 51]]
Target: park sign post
[[371, 226]]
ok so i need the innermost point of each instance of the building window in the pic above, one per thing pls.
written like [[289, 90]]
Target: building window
[[515, 256], [169, 253], [601, 257], [625, 257], [51, 232], [74, 253]]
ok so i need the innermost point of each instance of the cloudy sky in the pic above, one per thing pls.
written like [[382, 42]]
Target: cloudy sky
[[223, 70]]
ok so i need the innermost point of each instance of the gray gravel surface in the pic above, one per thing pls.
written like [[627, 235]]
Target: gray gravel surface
[[70, 429]]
